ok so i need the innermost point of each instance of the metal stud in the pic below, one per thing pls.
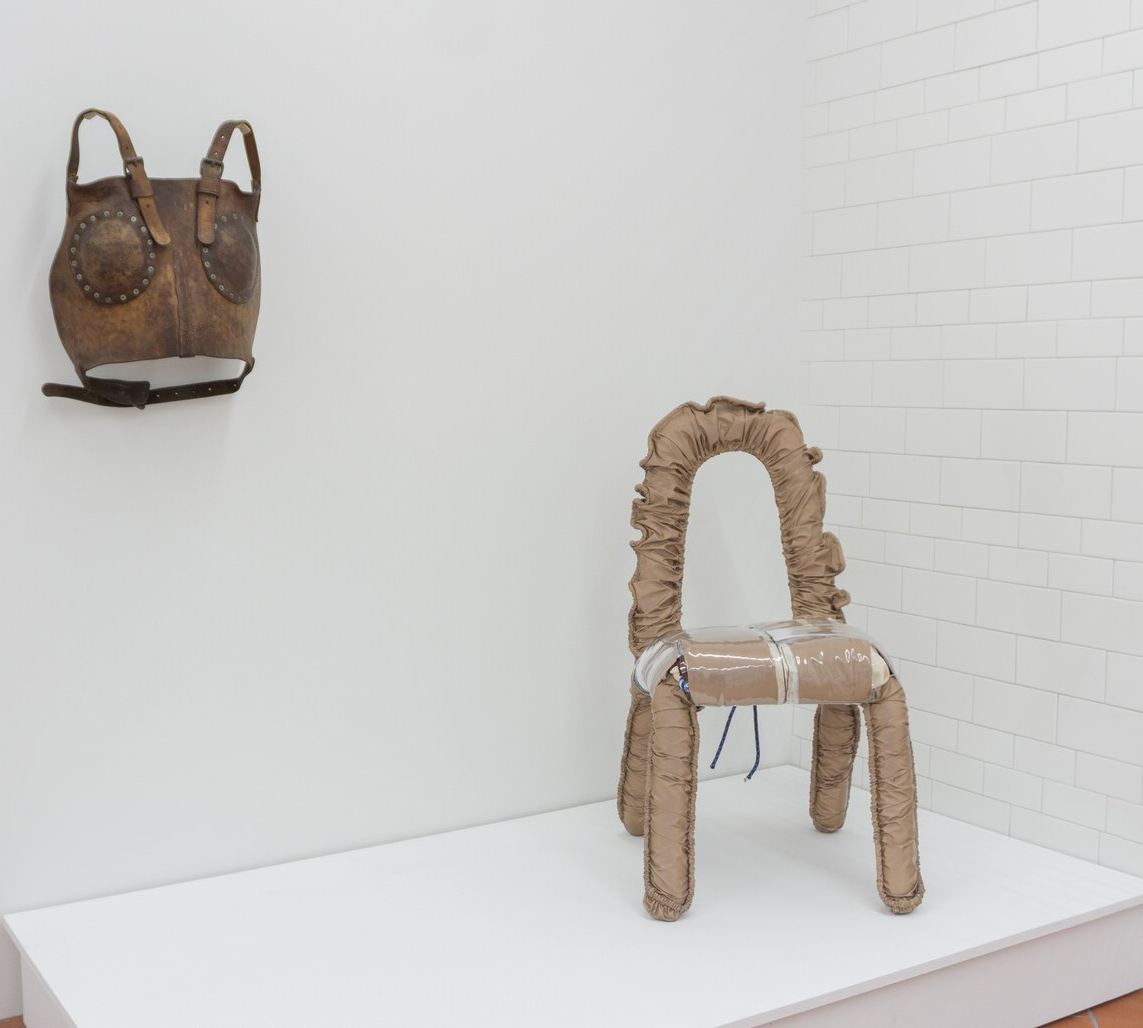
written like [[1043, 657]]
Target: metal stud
[[146, 281], [206, 249], [122, 296], [107, 299], [96, 295], [87, 289], [151, 255], [133, 218], [150, 270], [73, 264], [151, 242], [136, 292], [231, 296], [79, 278], [206, 264], [224, 217], [119, 214], [76, 237], [213, 277], [73, 249], [221, 288], [107, 214], [83, 224]]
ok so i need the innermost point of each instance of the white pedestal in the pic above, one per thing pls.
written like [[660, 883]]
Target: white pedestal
[[540, 921]]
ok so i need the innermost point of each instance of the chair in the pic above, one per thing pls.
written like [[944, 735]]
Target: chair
[[814, 658]]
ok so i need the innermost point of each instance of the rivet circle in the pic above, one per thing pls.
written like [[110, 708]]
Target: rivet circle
[[226, 259], [105, 253]]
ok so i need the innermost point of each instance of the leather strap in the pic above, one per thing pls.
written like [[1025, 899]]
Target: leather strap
[[114, 392], [138, 183], [210, 175]]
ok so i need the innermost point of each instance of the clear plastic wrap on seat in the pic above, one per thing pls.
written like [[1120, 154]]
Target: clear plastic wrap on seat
[[805, 660]]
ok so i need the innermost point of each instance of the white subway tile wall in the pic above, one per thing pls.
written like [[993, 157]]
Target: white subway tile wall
[[973, 338]]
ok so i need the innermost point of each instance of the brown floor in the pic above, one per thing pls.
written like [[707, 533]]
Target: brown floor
[[1125, 1012]]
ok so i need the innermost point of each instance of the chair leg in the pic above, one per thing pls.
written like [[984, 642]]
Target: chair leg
[[893, 785], [672, 782], [836, 731], [633, 772]]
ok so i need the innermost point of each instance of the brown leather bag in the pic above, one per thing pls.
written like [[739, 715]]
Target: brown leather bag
[[152, 268]]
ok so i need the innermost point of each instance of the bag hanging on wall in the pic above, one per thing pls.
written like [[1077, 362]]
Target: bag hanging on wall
[[153, 268]]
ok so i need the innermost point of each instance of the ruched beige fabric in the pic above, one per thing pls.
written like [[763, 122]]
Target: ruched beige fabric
[[658, 778]]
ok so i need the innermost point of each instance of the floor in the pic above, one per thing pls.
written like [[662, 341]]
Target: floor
[[1125, 1012]]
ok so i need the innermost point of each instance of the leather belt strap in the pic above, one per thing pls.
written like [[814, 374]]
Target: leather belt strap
[[210, 175], [114, 392], [138, 183]]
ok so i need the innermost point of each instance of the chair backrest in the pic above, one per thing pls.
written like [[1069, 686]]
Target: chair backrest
[[677, 447]]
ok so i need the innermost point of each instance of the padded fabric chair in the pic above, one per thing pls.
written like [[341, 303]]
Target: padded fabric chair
[[814, 658]]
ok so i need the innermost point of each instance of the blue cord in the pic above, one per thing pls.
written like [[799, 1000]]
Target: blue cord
[[681, 667], [757, 742], [722, 741], [757, 747]]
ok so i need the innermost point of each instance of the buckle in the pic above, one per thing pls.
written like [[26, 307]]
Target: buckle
[[128, 161], [209, 160]]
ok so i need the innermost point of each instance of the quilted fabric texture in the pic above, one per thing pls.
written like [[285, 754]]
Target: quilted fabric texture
[[658, 777]]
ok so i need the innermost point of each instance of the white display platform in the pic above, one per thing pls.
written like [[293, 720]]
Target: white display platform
[[540, 921]]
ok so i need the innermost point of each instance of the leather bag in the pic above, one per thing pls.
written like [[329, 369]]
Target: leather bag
[[152, 268]]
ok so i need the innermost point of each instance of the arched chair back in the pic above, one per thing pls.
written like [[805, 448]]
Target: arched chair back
[[678, 446]]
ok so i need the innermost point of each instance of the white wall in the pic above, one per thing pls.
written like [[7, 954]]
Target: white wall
[[382, 591], [974, 336]]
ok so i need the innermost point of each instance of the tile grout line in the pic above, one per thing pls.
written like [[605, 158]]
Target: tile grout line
[[864, 118]]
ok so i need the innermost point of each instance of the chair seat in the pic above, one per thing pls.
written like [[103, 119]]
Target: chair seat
[[806, 660]]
